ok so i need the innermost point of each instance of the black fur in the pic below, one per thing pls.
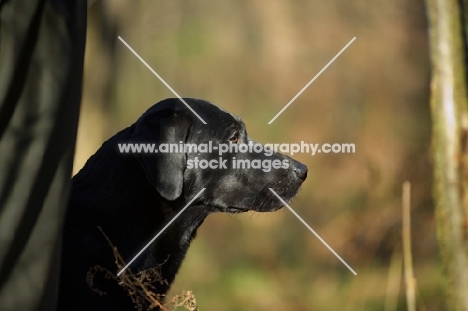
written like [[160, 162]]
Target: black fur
[[132, 196]]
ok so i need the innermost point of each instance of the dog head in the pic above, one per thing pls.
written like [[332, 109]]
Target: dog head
[[189, 155]]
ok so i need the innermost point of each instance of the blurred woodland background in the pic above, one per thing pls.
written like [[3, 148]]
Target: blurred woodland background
[[251, 58]]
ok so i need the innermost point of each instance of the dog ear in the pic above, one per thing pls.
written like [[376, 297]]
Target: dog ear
[[165, 171]]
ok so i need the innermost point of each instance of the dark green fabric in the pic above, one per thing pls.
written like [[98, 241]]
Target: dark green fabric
[[41, 64]]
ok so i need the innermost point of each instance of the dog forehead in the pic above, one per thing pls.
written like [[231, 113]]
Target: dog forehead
[[213, 114]]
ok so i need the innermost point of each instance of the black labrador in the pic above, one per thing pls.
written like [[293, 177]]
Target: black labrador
[[128, 197]]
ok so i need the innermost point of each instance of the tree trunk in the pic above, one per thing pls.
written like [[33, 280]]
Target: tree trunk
[[450, 143]]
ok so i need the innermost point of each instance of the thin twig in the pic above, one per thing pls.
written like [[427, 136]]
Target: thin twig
[[407, 258]]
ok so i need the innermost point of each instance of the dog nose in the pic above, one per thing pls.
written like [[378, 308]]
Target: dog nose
[[301, 171]]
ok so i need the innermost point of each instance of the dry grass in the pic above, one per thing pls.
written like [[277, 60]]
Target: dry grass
[[140, 286]]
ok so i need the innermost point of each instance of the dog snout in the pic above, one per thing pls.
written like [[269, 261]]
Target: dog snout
[[300, 170]]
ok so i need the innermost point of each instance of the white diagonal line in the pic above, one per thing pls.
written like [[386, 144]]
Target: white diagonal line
[[160, 232], [312, 230], [161, 79], [313, 79]]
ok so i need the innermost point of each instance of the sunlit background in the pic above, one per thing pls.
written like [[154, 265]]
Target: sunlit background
[[251, 58]]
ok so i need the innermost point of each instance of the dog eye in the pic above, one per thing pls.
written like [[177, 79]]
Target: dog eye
[[234, 138]]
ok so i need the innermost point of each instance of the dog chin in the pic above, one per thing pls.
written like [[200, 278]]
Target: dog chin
[[236, 210], [270, 209]]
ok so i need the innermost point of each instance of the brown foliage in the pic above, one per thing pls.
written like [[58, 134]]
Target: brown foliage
[[140, 286]]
